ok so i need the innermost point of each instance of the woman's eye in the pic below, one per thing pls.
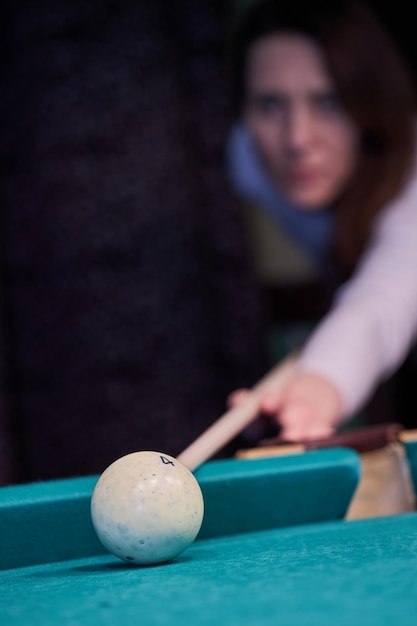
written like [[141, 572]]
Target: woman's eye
[[328, 103], [269, 104]]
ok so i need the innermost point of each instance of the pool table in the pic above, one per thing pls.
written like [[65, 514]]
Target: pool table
[[274, 548]]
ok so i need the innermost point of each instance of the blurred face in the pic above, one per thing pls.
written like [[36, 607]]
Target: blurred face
[[308, 143]]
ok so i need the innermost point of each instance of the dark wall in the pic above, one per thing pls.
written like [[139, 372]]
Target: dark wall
[[398, 20], [127, 306]]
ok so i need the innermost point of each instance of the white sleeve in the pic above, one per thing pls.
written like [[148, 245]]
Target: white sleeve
[[373, 321]]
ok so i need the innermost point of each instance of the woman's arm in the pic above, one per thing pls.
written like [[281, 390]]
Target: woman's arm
[[364, 337], [373, 322]]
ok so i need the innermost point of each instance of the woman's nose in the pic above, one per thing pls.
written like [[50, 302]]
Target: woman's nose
[[298, 130]]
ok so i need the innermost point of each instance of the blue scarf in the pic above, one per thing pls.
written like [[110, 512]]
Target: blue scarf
[[310, 229]]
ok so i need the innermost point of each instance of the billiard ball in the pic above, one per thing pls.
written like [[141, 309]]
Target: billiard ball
[[147, 508]]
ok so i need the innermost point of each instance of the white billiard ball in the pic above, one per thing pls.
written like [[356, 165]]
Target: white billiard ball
[[147, 508]]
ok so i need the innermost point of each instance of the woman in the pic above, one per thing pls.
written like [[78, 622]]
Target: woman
[[325, 141]]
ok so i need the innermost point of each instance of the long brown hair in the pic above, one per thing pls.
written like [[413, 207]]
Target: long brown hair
[[376, 89]]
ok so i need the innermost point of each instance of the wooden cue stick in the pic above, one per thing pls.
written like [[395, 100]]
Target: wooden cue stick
[[235, 420], [363, 439], [408, 436], [284, 449]]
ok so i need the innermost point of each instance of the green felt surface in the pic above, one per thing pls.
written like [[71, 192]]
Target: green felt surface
[[50, 521], [331, 573]]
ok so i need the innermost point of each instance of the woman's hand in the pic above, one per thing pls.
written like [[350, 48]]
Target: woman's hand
[[308, 407]]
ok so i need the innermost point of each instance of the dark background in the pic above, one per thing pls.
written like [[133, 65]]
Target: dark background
[[128, 310]]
